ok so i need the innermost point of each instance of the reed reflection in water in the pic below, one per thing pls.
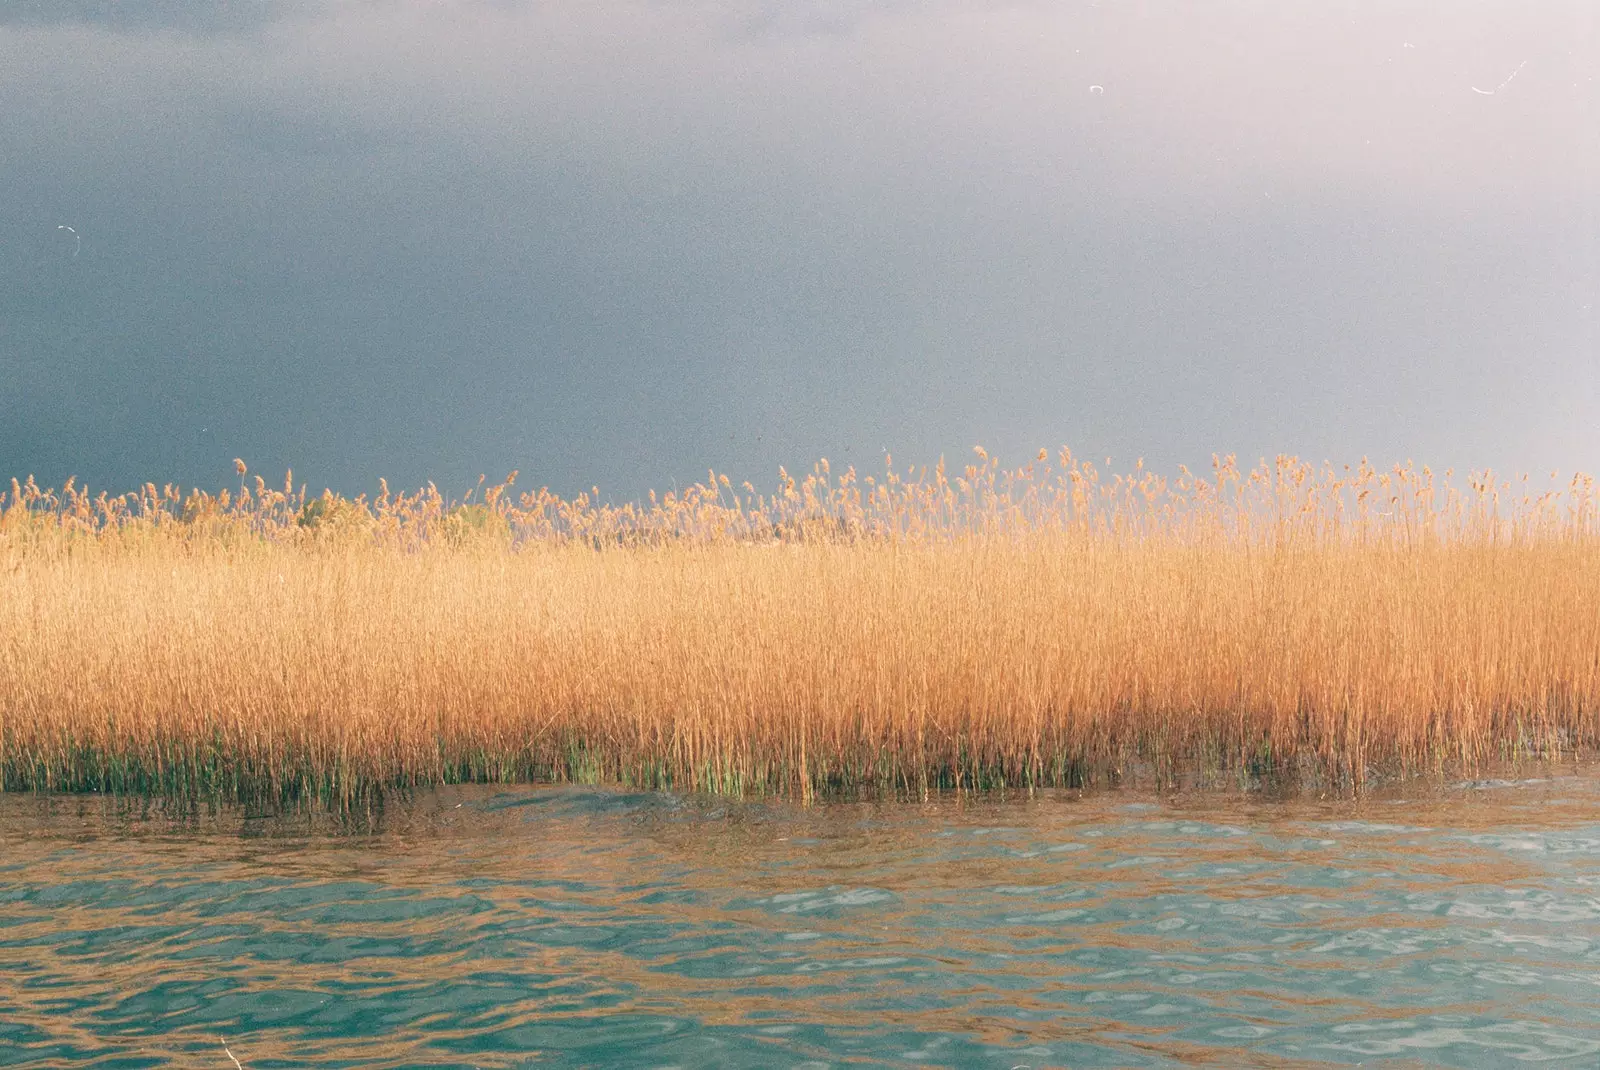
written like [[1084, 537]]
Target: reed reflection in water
[[566, 927]]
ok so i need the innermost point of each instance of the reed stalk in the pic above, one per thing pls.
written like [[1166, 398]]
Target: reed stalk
[[991, 630]]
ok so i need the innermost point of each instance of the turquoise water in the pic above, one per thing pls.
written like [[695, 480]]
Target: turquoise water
[[568, 927]]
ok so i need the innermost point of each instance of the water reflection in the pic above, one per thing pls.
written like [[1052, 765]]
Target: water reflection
[[566, 927]]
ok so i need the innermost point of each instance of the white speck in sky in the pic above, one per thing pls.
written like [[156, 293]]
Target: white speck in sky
[[1502, 85], [1096, 90], [78, 241]]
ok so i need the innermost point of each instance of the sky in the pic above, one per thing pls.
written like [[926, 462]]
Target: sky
[[616, 244]]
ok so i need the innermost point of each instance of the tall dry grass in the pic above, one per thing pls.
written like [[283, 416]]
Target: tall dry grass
[[1031, 627]]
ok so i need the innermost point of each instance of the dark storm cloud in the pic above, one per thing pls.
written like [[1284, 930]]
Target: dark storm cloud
[[616, 242]]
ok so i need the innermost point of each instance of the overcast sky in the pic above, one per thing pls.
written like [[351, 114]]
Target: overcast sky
[[617, 243]]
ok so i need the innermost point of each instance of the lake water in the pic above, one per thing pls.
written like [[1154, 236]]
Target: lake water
[[570, 927]]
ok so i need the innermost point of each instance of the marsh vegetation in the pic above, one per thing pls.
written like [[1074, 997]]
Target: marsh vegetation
[[991, 629]]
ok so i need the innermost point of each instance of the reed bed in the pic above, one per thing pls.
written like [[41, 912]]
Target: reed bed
[[921, 631]]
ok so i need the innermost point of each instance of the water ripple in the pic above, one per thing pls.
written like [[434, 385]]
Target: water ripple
[[570, 927]]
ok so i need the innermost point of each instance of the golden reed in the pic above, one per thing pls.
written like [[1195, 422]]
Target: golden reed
[[924, 631]]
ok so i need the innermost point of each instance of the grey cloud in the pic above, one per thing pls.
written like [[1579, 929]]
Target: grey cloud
[[616, 242], [135, 16], [1217, 101], [280, 133]]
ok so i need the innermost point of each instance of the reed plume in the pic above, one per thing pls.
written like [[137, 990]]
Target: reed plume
[[918, 631]]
